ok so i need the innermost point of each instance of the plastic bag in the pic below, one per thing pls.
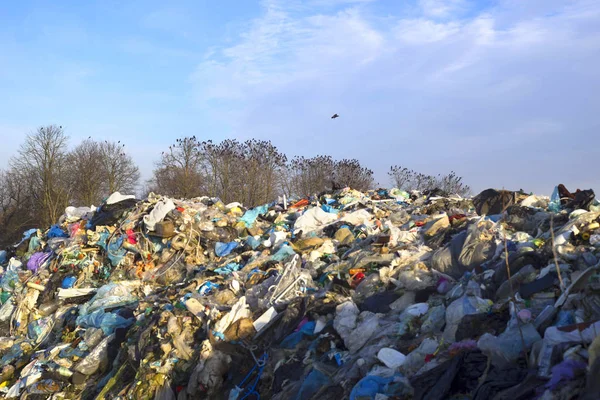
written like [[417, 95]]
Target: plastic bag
[[292, 340], [360, 217], [158, 213], [96, 359], [507, 347], [435, 320], [312, 220], [108, 322], [250, 216], [39, 329], [37, 260], [554, 204], [238, 311], [346, 315], [366, 325], [224, 249], [455, 312], [56, 232], [312, 383], [228, 269], [112, 295], [10, 281], [416, 359]]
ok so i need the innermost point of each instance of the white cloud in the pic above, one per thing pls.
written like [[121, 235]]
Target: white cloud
[[423, 31], [425, 81], [442, 8], [280, 49]]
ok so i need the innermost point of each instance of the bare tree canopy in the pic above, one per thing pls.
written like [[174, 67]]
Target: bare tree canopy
[[17, 211], [42, 162], [44, 177], [86, 173], [407, 179], [99, 169], [180, 172], [305, 176], [120, 174], [233, 171]]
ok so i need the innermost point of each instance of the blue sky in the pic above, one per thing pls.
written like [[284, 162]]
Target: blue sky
[[505, 92]]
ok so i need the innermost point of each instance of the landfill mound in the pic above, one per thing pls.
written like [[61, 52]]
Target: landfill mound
[[374, 295]]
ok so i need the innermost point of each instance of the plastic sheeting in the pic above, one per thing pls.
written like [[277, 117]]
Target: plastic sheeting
[[312, 220]]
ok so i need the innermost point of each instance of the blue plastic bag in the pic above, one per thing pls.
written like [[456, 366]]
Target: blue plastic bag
[[56, 232], [369, 386], [312, 384], [554, 204], [564, 318], [249, 218], [253, 242], [224, 249], [114, 250], [291, 341], [284, 252], [228, 269], [108, 322], [329, 209], [208, 287]]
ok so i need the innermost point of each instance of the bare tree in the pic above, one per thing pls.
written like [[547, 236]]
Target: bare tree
[[453, 184], [248, 171], [305, 176], [181, 170], [87, 173], [243, 171], [41, 163], [407, 179], [350, 173], [401, 177], [99, 169], [119, 171], [233, 171], [17, 211]]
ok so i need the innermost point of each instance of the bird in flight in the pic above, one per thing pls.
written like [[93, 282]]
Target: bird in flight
[[335, 116]]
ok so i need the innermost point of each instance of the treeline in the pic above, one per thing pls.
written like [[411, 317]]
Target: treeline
[[46, 175]]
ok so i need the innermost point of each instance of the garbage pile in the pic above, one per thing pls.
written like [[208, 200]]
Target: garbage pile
[[376, 295]]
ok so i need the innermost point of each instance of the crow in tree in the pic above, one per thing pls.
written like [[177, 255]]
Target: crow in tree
[[335, 116]]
